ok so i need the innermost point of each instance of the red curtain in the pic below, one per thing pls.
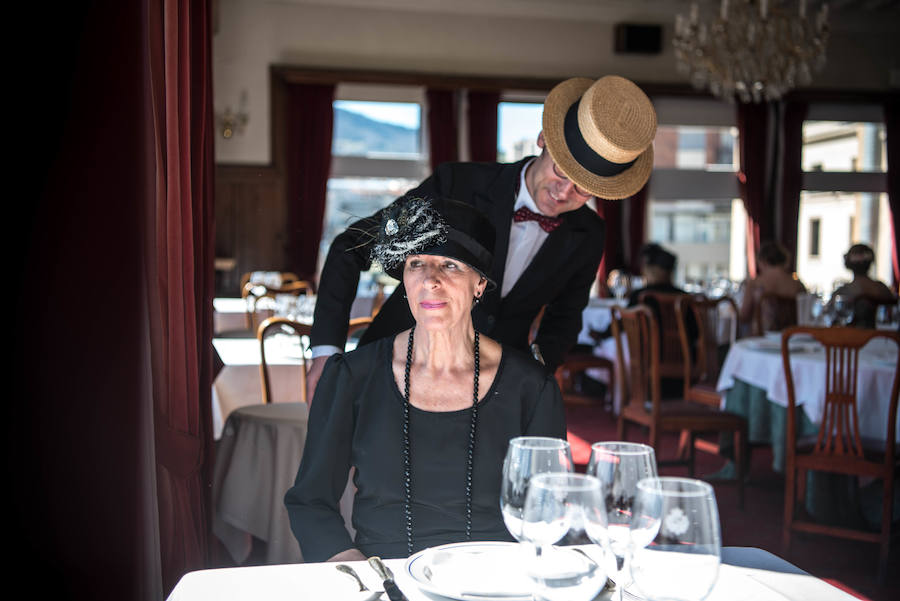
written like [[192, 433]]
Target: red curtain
[[892, 129], [752, 120], [109, 435], [791, 176], [637, 227], [483, 126], [442, 126], [310, 121], [179, 264], [611, 211]]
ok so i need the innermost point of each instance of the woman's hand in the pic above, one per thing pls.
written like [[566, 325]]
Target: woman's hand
[[348, 555]]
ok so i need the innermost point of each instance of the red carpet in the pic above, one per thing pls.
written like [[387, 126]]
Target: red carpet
[[849, 565]]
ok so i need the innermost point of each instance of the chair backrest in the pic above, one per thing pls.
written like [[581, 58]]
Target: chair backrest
[[662, 304], [281, 325], [252, 293], [774, 313], [865, 310], [358, 327], [716, 330], [637, 354], [839, 431]]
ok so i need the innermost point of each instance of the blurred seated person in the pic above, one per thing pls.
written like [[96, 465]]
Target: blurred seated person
[[657, 268], [772, 277], [425, 416], [864, 293]]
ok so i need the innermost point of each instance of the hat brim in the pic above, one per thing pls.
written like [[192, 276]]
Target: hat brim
[[616, 187], [452, 250]]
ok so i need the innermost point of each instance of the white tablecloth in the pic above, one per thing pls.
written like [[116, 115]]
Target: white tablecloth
[[748, 574], [596, 316], [757, 361], [230, 314], [238, 384], [256, 462]]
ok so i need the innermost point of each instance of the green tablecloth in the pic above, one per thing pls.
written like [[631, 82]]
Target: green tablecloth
[[830, 498]]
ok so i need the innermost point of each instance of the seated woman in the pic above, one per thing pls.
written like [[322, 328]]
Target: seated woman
[[425, 417], [864, 293], [772, 277]]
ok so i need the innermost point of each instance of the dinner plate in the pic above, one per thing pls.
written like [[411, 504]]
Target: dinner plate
[[472, 571]]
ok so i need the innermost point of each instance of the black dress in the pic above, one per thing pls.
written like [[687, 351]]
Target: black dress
[[357, 419]]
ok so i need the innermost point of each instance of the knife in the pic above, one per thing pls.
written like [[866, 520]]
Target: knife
[[390, 587]]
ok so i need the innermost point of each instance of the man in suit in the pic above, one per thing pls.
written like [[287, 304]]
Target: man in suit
[[596, 142]]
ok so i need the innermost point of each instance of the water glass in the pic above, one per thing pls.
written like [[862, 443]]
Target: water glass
[[560, 505], [680, 518], [843, 309], [527, 456], [620, 466]]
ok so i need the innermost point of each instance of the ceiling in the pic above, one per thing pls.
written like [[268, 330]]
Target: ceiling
[[846, 15]]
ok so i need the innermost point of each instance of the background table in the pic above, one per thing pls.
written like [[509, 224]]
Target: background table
[[256, 462], [752, 383], [238, 383], [746, 574]]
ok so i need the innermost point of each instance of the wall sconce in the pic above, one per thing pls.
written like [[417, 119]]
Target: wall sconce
[[231, 122]]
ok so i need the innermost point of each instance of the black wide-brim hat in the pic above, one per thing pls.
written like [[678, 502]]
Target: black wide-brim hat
[[440, 226]]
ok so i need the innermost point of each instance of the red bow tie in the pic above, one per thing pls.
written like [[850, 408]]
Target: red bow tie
[[548, 224]]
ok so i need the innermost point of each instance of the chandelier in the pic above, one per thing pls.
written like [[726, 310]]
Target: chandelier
[[753, 50]]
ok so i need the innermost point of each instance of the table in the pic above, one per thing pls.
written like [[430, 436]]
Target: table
[[230, 314], [238, 384], [752, 383], [746, 573], [256, 462], [757, 361]]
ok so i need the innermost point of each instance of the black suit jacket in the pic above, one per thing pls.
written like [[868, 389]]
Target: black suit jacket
[[559, 276]]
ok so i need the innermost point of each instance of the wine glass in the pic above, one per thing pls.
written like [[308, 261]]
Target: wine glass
[[620, 466], [679, 519], [562, 505], [618, 283], [816, 308], [843, 309], [527, 456]]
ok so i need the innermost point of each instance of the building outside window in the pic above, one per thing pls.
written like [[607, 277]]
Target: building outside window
[[843, 201]]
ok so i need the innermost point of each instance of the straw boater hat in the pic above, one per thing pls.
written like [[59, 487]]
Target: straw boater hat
[[600, 134]]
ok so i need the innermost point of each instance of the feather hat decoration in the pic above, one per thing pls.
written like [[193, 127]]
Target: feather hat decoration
[[408, 226]]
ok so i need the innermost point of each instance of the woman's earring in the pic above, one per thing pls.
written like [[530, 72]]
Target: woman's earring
[[477, 299]]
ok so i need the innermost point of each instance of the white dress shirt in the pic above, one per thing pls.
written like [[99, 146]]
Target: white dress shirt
[[525, 238]]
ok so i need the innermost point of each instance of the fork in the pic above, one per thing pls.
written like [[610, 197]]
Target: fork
[[345, 569]]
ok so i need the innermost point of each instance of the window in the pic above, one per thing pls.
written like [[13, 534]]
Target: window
[[694, 209], [843, 200], [814, 226], [379, 152], [518, 126]]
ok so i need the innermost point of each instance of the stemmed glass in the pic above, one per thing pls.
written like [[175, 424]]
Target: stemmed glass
[[559, 505], [527, 456], [620, 466], [843, 309], [618, 283], [679, 519]]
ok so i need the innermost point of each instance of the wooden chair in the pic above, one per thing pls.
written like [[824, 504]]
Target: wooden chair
[[703, 354], [281, 325], [358, 327], [576, 365], [838, 447], [636, 336], [865, 310], [773, 313], [671, 357], [252, 293]]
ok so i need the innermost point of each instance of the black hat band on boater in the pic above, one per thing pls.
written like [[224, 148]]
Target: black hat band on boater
[[583, 153]]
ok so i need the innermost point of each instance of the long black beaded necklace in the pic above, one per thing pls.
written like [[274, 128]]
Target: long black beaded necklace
[[470, 454]]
